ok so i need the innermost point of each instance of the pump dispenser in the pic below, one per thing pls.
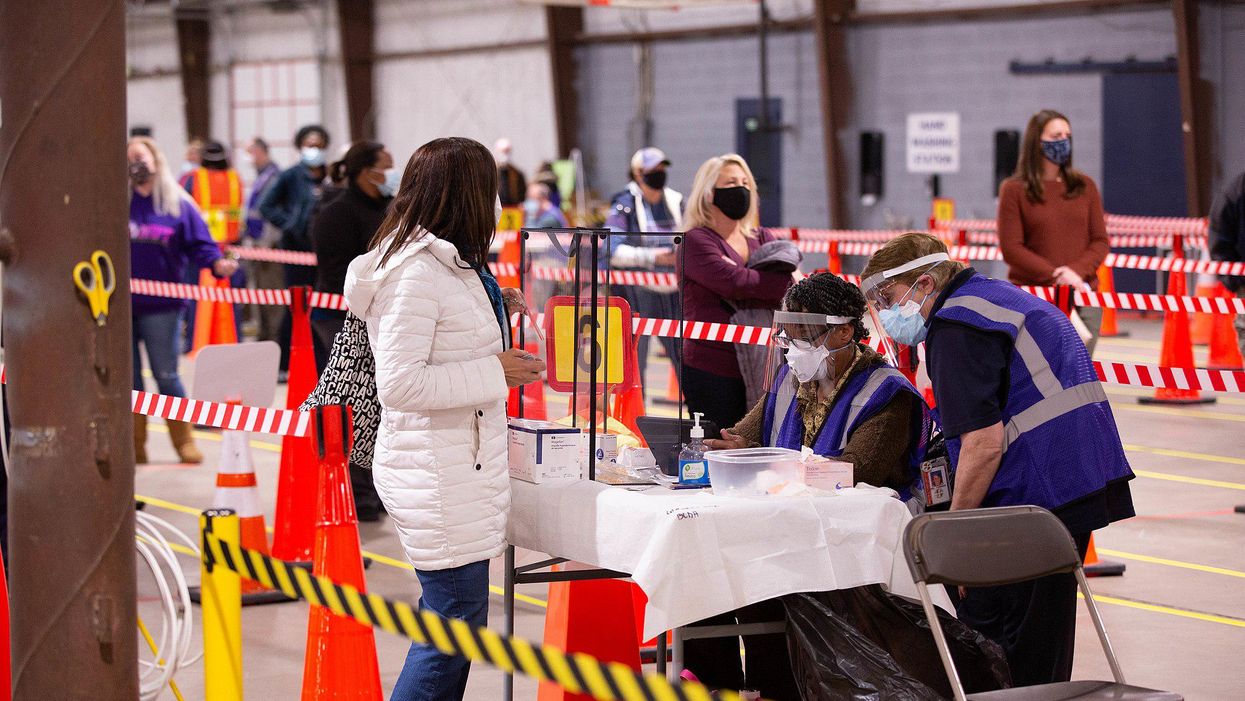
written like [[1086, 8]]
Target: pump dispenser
[[693, 470]]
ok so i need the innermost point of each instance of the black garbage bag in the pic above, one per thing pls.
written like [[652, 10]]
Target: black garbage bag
[[866, 645]]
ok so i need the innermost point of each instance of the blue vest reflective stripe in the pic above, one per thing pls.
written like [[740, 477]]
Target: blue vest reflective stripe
[[1061, 442], [860, 399]]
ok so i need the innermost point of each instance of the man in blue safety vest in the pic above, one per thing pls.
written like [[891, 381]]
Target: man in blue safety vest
[[1026, 422]]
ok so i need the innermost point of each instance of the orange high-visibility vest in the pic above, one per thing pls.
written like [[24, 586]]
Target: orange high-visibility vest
[[219, 195]]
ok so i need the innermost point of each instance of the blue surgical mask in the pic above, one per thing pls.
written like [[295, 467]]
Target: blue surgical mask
[[903, 321], [311, 156], [393, 178], [1058, 152], [531, 207]]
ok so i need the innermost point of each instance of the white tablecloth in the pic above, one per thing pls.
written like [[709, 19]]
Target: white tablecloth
[[697, 555]]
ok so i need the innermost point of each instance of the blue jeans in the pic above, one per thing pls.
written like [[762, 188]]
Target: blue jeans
[[428, 675], [158, 334]]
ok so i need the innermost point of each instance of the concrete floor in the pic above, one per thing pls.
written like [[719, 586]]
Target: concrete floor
[[1176, 618]]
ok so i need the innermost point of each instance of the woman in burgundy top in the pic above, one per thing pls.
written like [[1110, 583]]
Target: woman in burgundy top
[[1051, 227], [722, 234]]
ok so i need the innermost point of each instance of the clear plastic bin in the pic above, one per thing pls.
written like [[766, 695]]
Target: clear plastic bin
[[752, 471]]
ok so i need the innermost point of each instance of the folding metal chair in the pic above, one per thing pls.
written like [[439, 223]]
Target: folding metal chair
[[994, 547]]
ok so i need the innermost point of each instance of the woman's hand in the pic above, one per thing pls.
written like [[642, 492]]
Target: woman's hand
[[224, 267], [521, 367], [1066, 276], [515, 302], [729, 441]]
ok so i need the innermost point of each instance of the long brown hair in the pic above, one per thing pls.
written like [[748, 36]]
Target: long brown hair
[[1029, 166], [448, 189]]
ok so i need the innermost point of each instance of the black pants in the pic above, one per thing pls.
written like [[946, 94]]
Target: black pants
[[716, 662], [1034, 621], [723, 400]]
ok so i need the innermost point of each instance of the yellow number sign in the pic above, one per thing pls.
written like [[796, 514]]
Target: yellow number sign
[[511, 219], [570, 343]]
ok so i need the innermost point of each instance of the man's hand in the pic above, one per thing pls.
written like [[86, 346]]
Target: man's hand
[[729, 441], [1066, 276], [980, 454], [666, 258], [224, 267]]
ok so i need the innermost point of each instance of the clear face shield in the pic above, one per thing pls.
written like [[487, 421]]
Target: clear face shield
[[893, 308], [798, 350]]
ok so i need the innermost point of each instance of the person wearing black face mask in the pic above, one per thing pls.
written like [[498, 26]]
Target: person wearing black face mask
[[648, 206]]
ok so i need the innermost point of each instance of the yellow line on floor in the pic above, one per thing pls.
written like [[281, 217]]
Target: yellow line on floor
[[1189, 480], [215, 438], [1184, 412], [1204, 457], [1172, 563], [376, 557], [1129, 343], [1155, 608]]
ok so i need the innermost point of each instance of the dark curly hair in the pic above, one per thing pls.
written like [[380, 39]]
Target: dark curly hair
[[827, 293]]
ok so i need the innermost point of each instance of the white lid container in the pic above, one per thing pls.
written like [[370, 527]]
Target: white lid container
[[752, 471]]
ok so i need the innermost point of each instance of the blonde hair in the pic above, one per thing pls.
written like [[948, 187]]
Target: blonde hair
[[167, 196], [701, 199], [909, 247]]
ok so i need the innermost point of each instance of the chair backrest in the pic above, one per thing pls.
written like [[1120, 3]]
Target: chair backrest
[[988, 547]]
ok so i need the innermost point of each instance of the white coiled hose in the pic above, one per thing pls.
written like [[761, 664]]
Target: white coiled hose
[[155, 539]]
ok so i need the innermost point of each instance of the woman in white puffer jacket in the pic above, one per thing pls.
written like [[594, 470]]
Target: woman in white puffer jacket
[[436, 320]]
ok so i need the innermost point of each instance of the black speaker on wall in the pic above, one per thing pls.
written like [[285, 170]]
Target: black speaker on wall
[[1006, 153], [872, 160]]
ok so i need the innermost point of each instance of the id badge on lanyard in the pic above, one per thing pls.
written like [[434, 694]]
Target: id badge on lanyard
[[936, 479]]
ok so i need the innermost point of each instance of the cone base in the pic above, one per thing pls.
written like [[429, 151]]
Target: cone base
[[1105, 568], [1176, 400], [1240, 509], [259, 598]]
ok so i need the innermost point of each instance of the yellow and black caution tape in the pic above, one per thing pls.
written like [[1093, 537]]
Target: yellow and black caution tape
[[577, 672]]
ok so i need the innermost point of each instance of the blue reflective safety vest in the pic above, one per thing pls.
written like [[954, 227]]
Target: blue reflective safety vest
[[1060, 442], [858, 400]]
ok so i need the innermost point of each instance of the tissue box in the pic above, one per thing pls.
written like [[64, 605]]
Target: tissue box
[[543, 451], [607, 447], [830, 475]]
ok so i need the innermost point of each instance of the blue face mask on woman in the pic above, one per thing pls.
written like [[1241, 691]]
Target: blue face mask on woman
[[393, 178], [1058, 152], [903, 321]]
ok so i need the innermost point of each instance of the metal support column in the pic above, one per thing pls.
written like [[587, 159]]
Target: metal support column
[[356, 23], [71, 485], [829, 21], [194, 43]]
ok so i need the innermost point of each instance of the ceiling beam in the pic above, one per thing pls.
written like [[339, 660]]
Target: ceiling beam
[[835, 90], [194, 43], [356, 25], [564, 25]]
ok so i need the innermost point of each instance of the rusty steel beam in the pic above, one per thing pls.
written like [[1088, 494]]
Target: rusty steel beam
[[71, 480], [563, 25], [1194, 109], [356, 24], [834, 77], [194, 45]]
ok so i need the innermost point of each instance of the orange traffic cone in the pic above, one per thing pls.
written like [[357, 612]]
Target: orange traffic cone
[[341, 652], [593, 617], [1095, 567], [296, 485], [1177, 351], [1199, 332], [214, 322], [629, 402], [834, 260], [1225, 349], [237, 489], [6, 675], [1106, 285]]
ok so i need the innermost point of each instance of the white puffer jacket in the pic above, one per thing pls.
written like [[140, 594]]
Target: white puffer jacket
[[440, 467]]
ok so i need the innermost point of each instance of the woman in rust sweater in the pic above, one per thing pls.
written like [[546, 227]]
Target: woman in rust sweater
[[1051, 226]]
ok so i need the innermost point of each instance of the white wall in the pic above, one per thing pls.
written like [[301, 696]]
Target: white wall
[[156, 102], [482, 95]]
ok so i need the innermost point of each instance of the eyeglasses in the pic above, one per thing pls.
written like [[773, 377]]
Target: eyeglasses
[[783, 341]]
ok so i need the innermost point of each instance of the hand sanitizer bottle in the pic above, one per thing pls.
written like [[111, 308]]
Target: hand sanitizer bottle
[[692, 466]]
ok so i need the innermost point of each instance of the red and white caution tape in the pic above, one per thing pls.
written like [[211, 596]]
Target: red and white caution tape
[[1147, 302], [273, 255], [234, 295], [234, 417], [1170, 378]]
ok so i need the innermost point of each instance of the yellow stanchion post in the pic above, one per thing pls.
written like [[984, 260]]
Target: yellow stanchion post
[[221, 594]]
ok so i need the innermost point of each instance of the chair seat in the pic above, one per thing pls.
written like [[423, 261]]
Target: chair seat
[[1078, 690]]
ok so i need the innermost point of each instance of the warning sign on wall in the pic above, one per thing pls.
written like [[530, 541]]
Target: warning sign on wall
[[934, 142]]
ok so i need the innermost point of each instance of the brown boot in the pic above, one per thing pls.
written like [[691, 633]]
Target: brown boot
[[184, 442], [140, 439]]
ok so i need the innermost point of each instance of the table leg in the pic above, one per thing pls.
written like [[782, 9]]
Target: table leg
[[676, 662], [661, 653], [507, 685]]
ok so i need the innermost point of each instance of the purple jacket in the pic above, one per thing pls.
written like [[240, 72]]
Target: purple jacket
[[162, 246]]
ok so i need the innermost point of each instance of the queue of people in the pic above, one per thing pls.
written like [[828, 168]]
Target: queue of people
[[1021, 417]]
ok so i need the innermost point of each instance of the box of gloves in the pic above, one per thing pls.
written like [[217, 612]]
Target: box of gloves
[[543, 451]]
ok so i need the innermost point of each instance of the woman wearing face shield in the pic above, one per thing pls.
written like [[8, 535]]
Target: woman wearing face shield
[[1026, 422], [834, 394]]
